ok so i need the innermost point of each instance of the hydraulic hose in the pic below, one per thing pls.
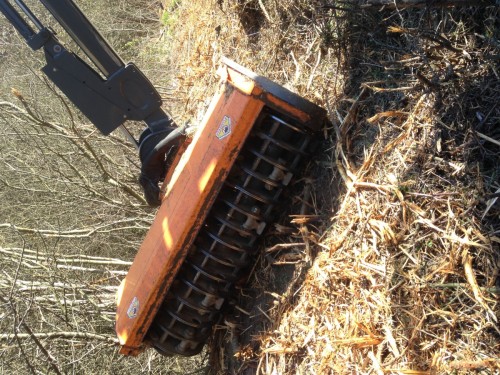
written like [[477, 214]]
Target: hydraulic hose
[[157, 159]]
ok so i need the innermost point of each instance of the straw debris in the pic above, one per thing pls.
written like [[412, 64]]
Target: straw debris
[[392, 264]]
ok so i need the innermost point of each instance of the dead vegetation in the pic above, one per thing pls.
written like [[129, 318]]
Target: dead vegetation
[[395, 268], [388, 260]]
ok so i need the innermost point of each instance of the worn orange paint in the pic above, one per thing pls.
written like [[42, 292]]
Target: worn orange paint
[[192, 188], [206, 176], [189, 191], [287, 108]]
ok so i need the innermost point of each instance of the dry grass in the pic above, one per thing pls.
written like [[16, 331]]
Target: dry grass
[[396, 271]]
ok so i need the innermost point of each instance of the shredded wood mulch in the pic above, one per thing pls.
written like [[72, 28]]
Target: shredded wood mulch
[[389, 261]]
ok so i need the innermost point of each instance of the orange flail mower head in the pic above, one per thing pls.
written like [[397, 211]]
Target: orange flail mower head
[[178, 321]]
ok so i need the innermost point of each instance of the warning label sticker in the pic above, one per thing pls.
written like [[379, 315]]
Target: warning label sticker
[[224, 128], [133, 309]]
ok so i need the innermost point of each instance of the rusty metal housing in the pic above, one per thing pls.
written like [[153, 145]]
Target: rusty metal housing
[[217, 202]]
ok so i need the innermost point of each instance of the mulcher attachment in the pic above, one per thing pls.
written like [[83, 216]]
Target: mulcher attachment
[[225, 245], [177, 307]]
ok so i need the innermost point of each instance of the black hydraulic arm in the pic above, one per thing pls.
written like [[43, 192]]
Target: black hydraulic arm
[[85, 35], [19, 23], [108, 97]]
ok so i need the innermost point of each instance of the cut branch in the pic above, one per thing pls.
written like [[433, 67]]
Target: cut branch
[[403, 4], [58, 335]]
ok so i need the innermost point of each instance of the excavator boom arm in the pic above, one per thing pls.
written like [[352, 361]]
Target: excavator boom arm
[[109, 96]]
